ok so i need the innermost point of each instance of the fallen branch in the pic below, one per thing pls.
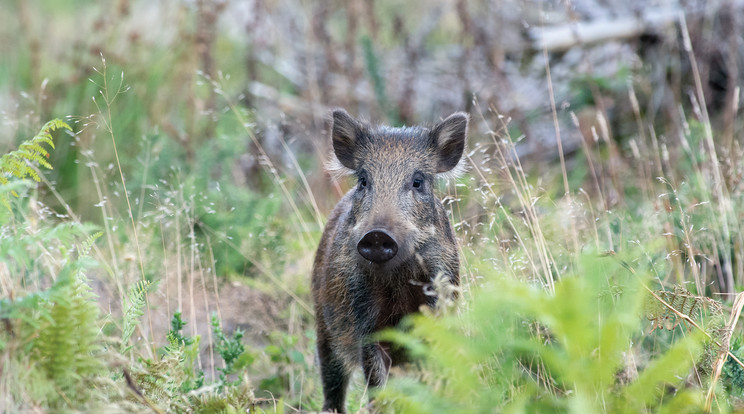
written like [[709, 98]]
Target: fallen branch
[[563, 37]]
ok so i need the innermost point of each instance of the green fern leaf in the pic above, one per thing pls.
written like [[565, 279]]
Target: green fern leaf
[[15, 163], [85, 247], [66, 346], [137, 301]]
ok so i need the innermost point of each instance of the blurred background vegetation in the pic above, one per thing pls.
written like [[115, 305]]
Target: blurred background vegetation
[[162, 263]]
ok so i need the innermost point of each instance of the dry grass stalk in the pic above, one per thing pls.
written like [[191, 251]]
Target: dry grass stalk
[[724, 349]]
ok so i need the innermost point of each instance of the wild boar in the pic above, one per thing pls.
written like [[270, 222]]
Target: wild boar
[[384, 242]]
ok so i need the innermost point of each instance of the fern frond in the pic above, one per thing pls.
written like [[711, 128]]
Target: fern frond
[[683, 302], [84, 248], [12, 162], [16, 163], [11, 187], [133, 312], [66, 346]]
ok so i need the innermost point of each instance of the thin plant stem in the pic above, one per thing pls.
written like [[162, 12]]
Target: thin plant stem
[[559, 141], [108, 124]]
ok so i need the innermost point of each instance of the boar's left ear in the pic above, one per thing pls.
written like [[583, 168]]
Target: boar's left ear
[[448, 138]]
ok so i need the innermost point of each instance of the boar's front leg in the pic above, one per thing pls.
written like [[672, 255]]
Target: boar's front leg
[[333, 374], [376, 364]]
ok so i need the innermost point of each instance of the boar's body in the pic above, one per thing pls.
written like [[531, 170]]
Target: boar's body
[[384, 243]]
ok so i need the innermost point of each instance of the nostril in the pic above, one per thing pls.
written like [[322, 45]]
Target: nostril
[[377, 246]]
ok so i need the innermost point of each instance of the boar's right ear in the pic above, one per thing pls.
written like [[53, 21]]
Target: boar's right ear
[[448, 138], [345, 134]]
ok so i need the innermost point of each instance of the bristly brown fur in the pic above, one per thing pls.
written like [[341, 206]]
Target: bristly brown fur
[[356, 293], [338, 171]]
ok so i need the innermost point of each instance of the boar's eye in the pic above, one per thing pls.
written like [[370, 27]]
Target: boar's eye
[[418, 181], [362, 182]]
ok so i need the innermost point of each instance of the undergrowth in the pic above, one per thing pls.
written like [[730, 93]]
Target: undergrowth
[[63, 351], [518, 348]]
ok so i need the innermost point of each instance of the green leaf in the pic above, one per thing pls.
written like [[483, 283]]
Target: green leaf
[[14, 163]]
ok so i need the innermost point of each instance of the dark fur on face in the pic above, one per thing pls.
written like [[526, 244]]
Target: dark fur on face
[[385, 240]]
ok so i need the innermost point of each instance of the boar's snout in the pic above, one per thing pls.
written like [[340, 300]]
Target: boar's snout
[[377, 246]]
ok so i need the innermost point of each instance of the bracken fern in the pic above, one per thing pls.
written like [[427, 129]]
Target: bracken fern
[[682, 301], [518, 348], [16, 163], [68, 341], [133, 312]]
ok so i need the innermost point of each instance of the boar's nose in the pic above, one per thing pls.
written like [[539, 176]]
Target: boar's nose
[[377, 246]]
